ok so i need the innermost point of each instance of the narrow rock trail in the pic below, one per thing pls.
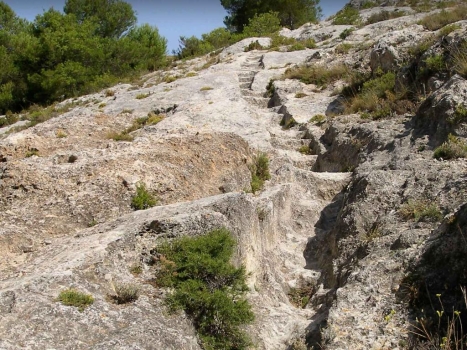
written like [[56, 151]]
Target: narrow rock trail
[[309, 193]]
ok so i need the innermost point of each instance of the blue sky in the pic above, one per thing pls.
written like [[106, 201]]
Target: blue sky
[[174, 18]]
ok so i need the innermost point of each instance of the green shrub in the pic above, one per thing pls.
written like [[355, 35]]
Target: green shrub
[[136, 269], [433, 64], [270, 88], [259, 172], [369, 5], [125, 293], [207, 287], [346, 32], [72, 297], [420, 210], [453, 148], [317, 74], [263, 24], [206, 88], [300, 95], [109, 93], [143, 199], [348, 15], [32, 152], [446, 30]]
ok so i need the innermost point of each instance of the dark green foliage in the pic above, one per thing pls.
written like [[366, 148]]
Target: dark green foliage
[[113, 17], [143, 199], [262, 25], [93, 45], [345, 33], [292, 13], [207, 287], [216, 39]]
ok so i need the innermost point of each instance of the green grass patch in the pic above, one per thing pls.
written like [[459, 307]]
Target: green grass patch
[[72, 297], [207, 287], [206, 88], [143, 199], [300, 95], [142, 96], [317, 119]]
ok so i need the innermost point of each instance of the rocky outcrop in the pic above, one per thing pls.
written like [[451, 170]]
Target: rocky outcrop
[[335, 217]]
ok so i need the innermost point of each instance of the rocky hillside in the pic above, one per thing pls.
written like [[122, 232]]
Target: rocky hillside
[[356, 242]]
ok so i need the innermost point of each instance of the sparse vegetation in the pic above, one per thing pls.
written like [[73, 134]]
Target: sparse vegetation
[[316, 74], [420, 210], [305, 149], [259, 172], [60, 134], [317, 119], [438, 20], [288, 122], [142, 96], [72, 297], [384, 16], [32, 152], [270, 88], [124, 293], [206, 88], [207, 287], [300, 95], [343, 48], [453, 148], [109, 93], [459, 59], [346, 32], [136, 269], [143, 199], [254, 45], [120, 136]]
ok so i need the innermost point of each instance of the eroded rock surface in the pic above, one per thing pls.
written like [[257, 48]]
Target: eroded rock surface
[[329, 218]]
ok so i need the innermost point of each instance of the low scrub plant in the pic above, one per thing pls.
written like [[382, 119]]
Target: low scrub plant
[[254, 45], [420, 210], [438, 20], [259, 172], [305, 149], [142, 96], [120, 136], [300, 95], [346, 32], [72, 297], [288, 122], [206, 88], [317, 119], [125, 293], [143, 199], [384, 16], [459, 59], [207, 287], [453, 148], [317, 74], [343, 48]]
